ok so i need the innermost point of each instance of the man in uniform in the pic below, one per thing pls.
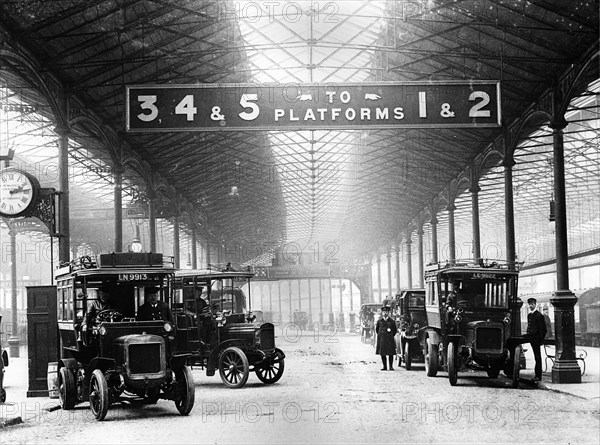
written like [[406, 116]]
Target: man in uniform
[[386, 346], [536, 332], [153, 309]]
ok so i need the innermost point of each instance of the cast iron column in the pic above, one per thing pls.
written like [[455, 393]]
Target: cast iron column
[[509, 210], [194, 251], [352, 321], [152, 222], [176, 252], [290, 298], [420, 256], [118, 206], [475, 218], [565, 368], [451, 233], [280, 310], [379, 276], [434, 239], [320, 303], [331, 316], [408, 260], [63, 204], [13, 340], [398, 267], [342, 324], [309, 305], [389, 273]]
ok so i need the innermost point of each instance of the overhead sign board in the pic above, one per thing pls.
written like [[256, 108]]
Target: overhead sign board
[[298, 106]]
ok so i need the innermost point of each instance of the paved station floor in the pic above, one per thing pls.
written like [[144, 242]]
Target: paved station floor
[[332, 392]]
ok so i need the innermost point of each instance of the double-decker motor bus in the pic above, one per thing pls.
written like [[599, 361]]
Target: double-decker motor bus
[[113, 355], [472, 310]]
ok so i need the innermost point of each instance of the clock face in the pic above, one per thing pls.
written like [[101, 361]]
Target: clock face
[[17, 191]]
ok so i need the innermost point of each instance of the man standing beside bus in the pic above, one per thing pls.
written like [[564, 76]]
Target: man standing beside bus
[[536, 332]]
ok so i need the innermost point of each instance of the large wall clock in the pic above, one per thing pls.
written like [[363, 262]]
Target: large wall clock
[[19, 192]]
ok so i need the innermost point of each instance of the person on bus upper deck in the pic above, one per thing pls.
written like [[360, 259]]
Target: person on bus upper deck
[[153, 309], [100, 304]]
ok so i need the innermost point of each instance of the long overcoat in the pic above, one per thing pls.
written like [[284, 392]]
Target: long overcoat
[[386, 330]]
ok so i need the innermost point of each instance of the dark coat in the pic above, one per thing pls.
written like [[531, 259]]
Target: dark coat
[[536, 327], [386, 330], [160, 312]]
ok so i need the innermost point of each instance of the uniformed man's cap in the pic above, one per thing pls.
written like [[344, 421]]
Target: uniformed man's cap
[[531, 300], [152, 290], [385, 308]]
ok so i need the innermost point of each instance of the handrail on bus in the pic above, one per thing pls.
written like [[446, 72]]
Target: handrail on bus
[[476, 263]]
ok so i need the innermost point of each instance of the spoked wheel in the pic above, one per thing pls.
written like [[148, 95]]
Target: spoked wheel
[[431, 358], [407, 357], [98, 395], [452, 364], [186, 391], [516, 366], [67, 390], [233, 367], [274, 370]]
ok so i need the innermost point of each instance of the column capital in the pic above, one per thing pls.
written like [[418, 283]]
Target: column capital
[[451, 207], [558, 123], [433, 221], [62, 130], [474, 189], [508, 162]]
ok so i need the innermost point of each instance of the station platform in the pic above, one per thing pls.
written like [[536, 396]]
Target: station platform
[[21, 409]]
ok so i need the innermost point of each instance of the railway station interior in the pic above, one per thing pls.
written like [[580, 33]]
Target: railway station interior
[[329, 213]]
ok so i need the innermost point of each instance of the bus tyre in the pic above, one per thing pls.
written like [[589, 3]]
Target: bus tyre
[[431, 358], [67, 390], [407, 357], [99, 400], [452, 364], [186, 390]]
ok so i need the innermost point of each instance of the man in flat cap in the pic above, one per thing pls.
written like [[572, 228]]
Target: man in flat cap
[[153, 309], [536, 332], [386, 346]]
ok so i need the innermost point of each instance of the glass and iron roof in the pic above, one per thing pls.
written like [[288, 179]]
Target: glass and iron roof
[[360, 190]]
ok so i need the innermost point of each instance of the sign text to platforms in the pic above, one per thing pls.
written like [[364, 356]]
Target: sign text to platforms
[[222, 107]]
